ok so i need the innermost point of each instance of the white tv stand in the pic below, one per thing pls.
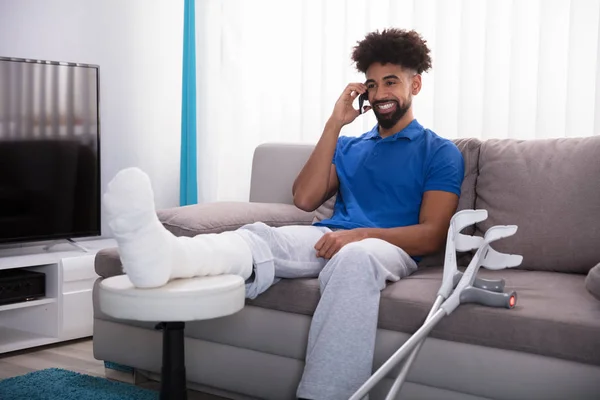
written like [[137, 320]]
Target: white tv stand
[[66, 312]]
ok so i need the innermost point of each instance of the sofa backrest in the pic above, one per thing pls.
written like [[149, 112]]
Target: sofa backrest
[[550, 189], [274, 169], [470, 150], [276, 165]]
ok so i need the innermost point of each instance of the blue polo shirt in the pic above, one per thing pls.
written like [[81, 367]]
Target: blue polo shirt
[[382, 180]]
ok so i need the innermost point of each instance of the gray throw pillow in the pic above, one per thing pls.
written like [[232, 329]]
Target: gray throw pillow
[[223, 216], [325, 210], [592, 281]]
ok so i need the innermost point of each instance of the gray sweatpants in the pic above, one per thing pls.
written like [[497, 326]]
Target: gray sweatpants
[[342, 334]]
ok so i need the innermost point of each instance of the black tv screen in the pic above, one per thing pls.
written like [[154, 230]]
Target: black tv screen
[[49, 150]]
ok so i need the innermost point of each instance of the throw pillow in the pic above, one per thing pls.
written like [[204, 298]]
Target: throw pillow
[[227, 216], [325, 210], [592, 281]]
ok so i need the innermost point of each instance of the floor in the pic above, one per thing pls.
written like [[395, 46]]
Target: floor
[[74, 356]]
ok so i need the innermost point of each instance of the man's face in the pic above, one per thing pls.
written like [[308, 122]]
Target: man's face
[[390, 89]]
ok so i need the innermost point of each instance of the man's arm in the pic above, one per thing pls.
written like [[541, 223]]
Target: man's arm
[[318, 177], [429, 235], [426, 237], [317, 181]]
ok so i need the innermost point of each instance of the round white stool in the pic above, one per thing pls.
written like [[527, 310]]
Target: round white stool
[[172, 305]]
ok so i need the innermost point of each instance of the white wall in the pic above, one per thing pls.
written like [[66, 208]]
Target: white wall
[[138, 45]]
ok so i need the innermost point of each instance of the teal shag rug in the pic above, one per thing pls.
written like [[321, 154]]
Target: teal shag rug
[[60, 384]]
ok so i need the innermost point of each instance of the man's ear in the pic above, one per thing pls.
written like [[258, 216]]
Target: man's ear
[[416, 84]]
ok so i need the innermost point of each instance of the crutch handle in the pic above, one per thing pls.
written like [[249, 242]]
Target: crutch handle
[[491, 285], [472, 294]]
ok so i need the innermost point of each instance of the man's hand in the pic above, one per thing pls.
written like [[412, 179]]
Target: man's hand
[[332, 242], [343, 111]]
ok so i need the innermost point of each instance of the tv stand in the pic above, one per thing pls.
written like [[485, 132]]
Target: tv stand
[[71, 241], [66, 310]]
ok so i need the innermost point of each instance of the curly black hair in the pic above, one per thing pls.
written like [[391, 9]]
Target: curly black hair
[[396, 46]]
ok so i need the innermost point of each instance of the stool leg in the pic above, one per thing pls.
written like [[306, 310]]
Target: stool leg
[[173, 381]]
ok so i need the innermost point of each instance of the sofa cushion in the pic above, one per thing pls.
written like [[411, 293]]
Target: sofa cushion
[[550, 189], [211, 218], [592, 281], [552, 309]]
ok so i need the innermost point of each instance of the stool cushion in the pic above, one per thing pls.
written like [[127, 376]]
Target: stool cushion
[[179, 300]]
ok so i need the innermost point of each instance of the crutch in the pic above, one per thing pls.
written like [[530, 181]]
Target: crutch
[[455, 241], [465, 292]]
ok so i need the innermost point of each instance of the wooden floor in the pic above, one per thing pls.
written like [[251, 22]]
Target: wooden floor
[[73, 356]]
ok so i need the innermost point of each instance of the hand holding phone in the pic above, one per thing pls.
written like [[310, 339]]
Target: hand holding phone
[[344, 111]]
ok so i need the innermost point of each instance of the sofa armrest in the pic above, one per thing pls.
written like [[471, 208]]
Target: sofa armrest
[[211, 218]]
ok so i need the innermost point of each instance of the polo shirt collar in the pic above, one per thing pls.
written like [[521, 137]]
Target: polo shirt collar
[[411, 132]]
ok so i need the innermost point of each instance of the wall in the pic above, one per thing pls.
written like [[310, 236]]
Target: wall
[[138, 45]]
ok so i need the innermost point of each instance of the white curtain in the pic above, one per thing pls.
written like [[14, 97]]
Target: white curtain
[[271, 71]]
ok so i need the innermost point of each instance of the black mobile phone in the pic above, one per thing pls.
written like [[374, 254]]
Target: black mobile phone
[[361, 99]]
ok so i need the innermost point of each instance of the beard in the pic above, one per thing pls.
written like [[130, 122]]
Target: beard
[[386, 121]]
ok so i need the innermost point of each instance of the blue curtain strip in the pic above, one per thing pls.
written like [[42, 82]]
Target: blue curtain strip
[[188, 169]]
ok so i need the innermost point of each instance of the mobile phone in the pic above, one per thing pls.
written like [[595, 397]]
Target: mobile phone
[[361, 99]]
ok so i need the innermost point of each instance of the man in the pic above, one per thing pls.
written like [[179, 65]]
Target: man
[[398, 186]]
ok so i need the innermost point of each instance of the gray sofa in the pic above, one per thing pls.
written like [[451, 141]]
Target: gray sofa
[[548, 347]]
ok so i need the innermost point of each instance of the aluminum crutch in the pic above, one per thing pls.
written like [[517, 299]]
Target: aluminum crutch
[[455, 241], [465, 292]]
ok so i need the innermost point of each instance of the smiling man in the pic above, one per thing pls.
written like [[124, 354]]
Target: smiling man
[[397, 188]]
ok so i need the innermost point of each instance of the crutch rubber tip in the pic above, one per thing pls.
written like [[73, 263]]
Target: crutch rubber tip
[[512, 301]]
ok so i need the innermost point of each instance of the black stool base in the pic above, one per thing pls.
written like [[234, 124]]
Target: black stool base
[[172, 380]]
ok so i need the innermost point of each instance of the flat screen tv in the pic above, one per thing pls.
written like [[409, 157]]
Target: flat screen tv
[[49, 150]]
